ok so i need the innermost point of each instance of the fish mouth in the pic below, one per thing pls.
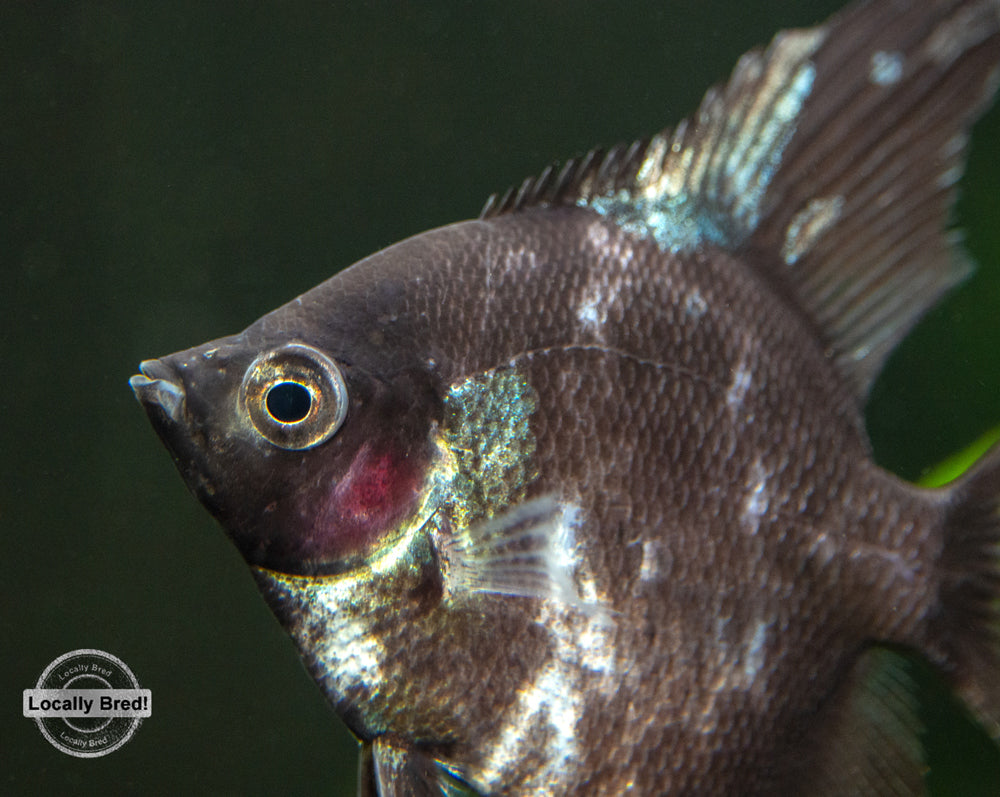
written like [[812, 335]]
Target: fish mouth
[[156, 386]]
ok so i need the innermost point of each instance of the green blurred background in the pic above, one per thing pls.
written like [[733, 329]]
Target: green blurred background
[[171, 171]]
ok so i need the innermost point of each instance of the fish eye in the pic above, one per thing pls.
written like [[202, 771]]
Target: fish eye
[[288, 402], [294, 396]]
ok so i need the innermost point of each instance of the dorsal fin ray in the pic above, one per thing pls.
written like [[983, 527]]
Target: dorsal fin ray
[[830, 159]]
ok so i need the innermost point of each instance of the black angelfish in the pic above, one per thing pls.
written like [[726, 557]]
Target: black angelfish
[[576, 498]]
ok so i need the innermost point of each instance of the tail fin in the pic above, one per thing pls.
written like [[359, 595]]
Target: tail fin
[[968, 626]]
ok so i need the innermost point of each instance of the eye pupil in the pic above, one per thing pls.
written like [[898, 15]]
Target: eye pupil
[[288, 402]]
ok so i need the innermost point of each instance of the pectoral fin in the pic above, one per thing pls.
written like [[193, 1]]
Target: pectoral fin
[[523, 551]]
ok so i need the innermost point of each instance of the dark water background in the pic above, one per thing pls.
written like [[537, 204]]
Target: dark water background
[[170, 172]]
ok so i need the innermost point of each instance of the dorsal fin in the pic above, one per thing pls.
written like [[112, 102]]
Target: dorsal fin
[[830, 159]]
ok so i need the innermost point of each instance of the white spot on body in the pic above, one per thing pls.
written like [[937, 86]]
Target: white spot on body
[[742, 379], [738, 664], [822, 549], [695, 305], [597, 236], [754, 652], [602, 289], [886, 68], [594, 643], [650, 567], [562, 558], [547, 702], [336, 624], [588, 311], [757, 499], [738, 387], [895, 561], [352, 655], [549, 708], [720, 626]]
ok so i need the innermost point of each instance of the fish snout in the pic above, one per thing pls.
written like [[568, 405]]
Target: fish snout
[[156, 386]]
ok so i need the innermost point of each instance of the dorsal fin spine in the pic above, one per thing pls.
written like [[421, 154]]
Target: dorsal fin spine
[[829, 158]]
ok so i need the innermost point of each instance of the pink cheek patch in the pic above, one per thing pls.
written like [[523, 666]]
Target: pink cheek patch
[[369, 488], [379, 489]]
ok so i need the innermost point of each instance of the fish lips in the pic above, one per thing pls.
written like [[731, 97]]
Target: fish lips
[[159, 391]]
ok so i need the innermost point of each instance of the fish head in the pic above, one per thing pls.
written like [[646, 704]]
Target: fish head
[[308, 459]]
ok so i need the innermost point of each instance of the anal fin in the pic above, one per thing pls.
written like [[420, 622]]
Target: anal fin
[[390, 768], [894, 727], [868, 738]]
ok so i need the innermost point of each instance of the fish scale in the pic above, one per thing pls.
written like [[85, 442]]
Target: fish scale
[[576, 498]]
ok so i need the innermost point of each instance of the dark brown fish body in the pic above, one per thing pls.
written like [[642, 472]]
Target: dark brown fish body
[[580, 500]]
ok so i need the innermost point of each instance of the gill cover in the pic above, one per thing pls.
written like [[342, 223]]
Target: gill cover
[[294, 396]]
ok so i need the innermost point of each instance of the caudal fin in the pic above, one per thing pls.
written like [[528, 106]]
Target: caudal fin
[[968, 625]]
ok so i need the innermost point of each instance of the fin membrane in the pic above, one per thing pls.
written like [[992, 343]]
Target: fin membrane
[[523, 552], [894, 728], [829, 159], [870, 743], [860, 206], [967, 628], [961, 757], [391, 770]]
